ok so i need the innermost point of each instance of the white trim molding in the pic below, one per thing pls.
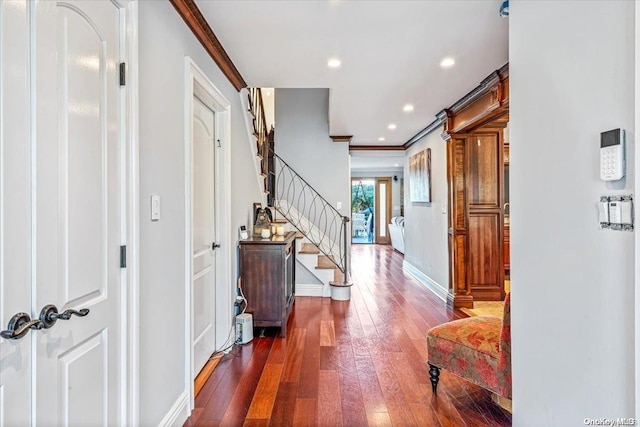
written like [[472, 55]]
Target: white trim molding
[[313, 290], [426, 281], [178, 413], [636, 185], [129, 10], [197, 82]]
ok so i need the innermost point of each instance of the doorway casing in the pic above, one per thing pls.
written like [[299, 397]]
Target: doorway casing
[[198, 84]]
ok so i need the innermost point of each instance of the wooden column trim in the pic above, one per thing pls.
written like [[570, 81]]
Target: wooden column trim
[[459, 295], [194, 19]]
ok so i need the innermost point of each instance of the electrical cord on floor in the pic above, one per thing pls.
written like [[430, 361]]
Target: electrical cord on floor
[[226, 343]]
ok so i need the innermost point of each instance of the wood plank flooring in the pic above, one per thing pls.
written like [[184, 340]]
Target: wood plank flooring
[[347, 363]]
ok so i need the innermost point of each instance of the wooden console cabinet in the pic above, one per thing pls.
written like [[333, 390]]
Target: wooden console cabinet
[[267, 270]]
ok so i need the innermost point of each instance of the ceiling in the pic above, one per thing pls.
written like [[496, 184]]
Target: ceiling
[[377, 161], [390, 53]]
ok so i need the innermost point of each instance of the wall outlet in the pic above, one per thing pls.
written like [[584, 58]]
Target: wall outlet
[[339, 205]]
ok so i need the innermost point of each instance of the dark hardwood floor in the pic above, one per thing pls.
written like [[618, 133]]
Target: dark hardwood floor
[[347, 363]]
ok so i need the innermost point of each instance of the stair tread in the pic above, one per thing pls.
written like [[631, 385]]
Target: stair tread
[[325, 263], [309, 248], [309, 251]]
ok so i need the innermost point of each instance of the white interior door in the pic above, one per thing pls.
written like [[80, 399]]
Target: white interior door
[[74, 201], [204, 235]]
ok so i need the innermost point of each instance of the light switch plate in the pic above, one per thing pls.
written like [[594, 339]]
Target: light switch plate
[[626, 215], [339, 205], [155, 208]]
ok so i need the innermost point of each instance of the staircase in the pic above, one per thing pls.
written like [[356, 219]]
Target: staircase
[[322, 231]]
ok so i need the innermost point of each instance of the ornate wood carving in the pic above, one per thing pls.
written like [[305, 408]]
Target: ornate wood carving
[[194, 19], [491, 97]]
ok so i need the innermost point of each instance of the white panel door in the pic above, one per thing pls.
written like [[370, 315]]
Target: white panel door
[[15, 210], [79, 218], [62, 213], [203, 210]]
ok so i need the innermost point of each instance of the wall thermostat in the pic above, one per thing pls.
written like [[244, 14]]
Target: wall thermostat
[[243, 232], [612, 161]]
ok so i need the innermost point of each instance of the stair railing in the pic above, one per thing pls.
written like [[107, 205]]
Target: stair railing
[[311, 214], [260, 132], [296, 200]]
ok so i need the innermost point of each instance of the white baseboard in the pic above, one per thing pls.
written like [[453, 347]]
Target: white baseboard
[[178, 413], [426, 281], [313, 290]]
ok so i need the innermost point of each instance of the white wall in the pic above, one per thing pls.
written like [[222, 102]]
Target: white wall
[[425, 224], [572, 77], [302, 140], [164, 41]]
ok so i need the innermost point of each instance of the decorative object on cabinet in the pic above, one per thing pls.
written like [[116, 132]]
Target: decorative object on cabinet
[[420, 176], [267, 271], [262, 223]]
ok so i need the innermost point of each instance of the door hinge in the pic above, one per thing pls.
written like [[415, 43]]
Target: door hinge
[[123, 72], [123, 256]]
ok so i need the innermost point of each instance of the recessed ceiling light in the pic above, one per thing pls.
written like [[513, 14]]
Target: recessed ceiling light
[[391, 126], [407, 108], [334, 63], [381, 139], [447, 62], [396, 165]]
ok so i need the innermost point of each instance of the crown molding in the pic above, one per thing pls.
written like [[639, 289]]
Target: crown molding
[[200, 28], [376, 148], [490, 98], [341, 138], [424, 132]]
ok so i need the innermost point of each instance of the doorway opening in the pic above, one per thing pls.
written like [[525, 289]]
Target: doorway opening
[[362, 210]]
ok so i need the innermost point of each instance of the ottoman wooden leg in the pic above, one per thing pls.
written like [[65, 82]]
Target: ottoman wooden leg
[[434, 375]]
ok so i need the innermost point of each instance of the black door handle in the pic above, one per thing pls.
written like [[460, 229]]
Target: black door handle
[[19, 325], [214, 246], [49, 315]]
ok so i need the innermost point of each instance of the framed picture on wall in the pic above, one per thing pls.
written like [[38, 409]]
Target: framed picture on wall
[[420, 177]]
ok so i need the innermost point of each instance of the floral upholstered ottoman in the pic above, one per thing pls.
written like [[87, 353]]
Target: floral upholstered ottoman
[[477, 349]]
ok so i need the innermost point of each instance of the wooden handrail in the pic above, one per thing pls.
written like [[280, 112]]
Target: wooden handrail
[[194, 19]]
